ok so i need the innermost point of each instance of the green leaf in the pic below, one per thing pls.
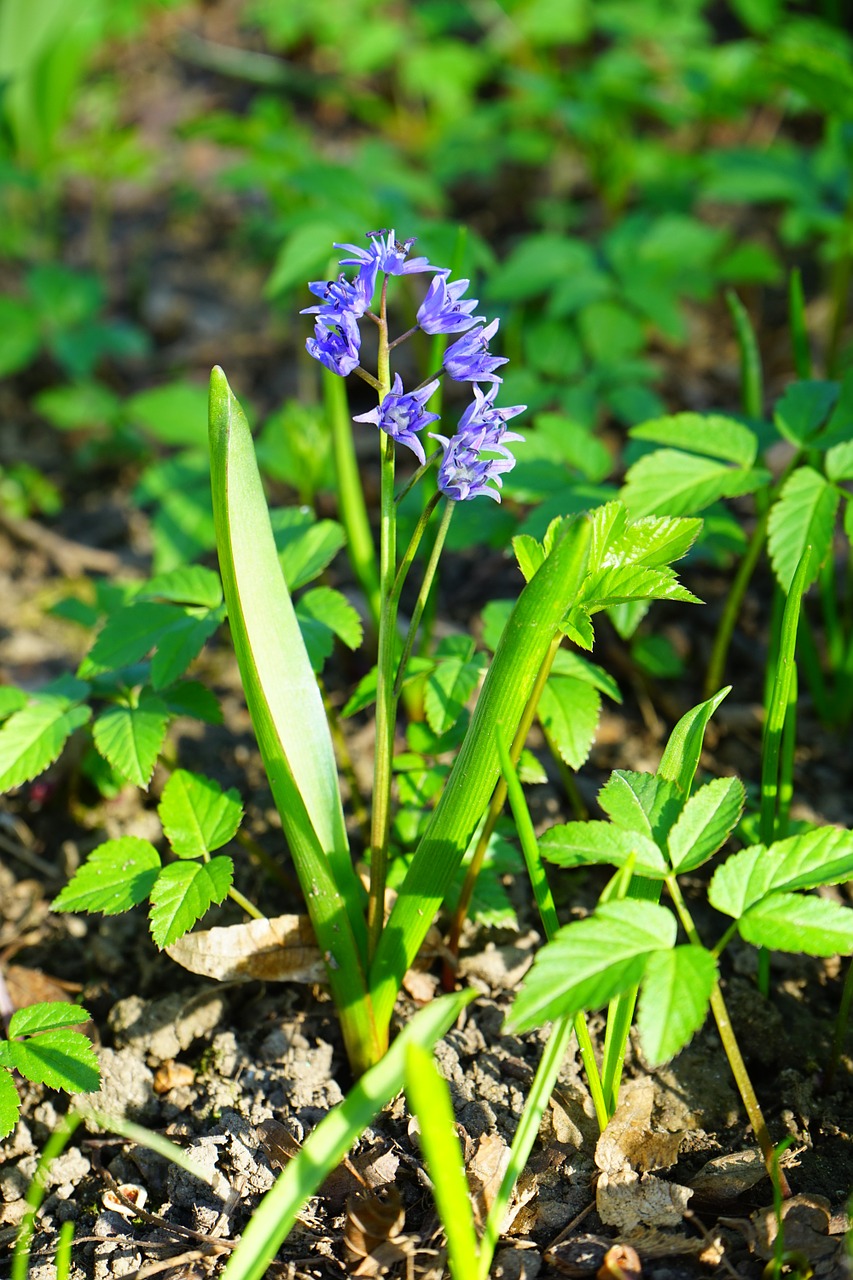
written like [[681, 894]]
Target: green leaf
[[448, 687], [642, 802], [668, 482], [653, 541], [305, 546], [323, 614], [569, 710], [823, 856], [681, 754], [11, 699], [624, 583], [183, 892], [709, 434], [577, 844], [197, 815], [365, 691], [190, 584], [175, 413], [60, 1059], [803, 409], [20, 336], [674, 998], [191, 698], [798, 922], [32, 738], [181, 643], [591, 961], [705, 823], [804, 516], [47, 1016], [839, 461], [116, 876], [131, 737], [529, 553], [568, 663], [130, 633], [10, 1103]]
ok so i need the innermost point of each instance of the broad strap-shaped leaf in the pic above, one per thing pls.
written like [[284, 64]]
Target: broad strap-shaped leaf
[[33, 737], [197, 815], [803, 516], [506, 691], [705, 823], [591, 961], [49, 1015], [641, 802], [60, 1059], [668, 482], [131, 737], [182, 894], [803, 409], [674, 998], [10, 1103], [289, 719], [448, 687], [799, 922], [116, 876], [569, 709], [190, 584], [710, 434], [805, 861], [577, 844], [684, 747]]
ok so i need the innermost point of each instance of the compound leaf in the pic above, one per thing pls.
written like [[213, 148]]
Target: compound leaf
[[674, 997], [130, 737], [116, 876], [705, 822], [182, 894], [804, 516], [197, 815], [799, 922]]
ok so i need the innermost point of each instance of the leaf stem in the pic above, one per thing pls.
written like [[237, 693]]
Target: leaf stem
[[249, 907]]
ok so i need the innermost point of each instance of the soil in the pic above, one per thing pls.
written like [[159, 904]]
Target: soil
[[211, 1065]]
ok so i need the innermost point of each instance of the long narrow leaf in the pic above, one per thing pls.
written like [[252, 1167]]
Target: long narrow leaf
[[326, 1146], [528, 634]]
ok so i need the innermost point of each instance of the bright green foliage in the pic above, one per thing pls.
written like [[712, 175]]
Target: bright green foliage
[[705, 823], [804, 516], [130, 736], [323, 614], [34, 735], [451, 682], [822, 856], [197, 817], [44, 1048], [674, 1000]]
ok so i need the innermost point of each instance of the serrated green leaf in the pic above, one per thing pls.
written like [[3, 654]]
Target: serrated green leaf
[[569, 709], [803, 408], [577, 844], [529, 553], [641, 802], [624, 583], [705, 823], [654, 541], [591, 961], [530, 770], [184, 640], [129, 634], [190, 584], [11, 699], [305, 545], [839, 461], [131, 737], [568, 663], [59, 1059], [116, 876], [192, 698], [674, 998], [323, 614], [710, 434], [800, 923], [684, 745], [668, 482], [448, 687], [32, 738], [48, 1015], [183, 892], [804, 516], [197, 815], [804, 861], [10, 1103]]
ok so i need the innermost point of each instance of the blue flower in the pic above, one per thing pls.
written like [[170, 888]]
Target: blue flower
[[400, 416], [441, 310], [342, 295], [463, 473], [388, 254], [469, 358], [484, 413], [336, 345]]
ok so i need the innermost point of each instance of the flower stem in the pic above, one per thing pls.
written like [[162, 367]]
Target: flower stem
[[386, 702], [426, 585]]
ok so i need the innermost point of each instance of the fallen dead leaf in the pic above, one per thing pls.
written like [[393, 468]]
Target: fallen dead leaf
[[485, 1170], [279, 950]]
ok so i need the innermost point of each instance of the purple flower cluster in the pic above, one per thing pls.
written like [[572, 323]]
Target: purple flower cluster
[[478, 454]]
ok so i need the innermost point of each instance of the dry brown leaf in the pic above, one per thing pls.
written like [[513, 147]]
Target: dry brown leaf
[[30, 986], [171, 1074], [629, 1139], [486, 1169], [722, 1180], [621, 1262], [280, 950], [627, 1201]]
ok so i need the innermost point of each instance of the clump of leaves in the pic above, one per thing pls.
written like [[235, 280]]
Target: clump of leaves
[[44, 1047]]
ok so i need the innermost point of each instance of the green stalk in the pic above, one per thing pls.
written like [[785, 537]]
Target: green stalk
[[351, 504], [799, 332], [751, 374], [55, 1145], [734, 600], [426, 586], [730, 1045], [386, 702], [548, 915]]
